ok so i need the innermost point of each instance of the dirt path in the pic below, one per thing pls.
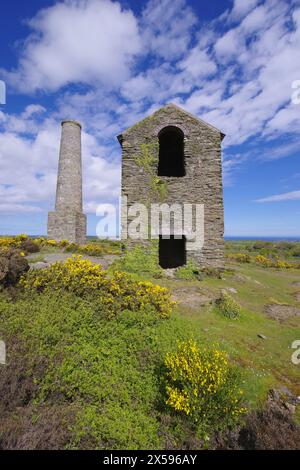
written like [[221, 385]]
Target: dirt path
[[192, 296], [50, 258]]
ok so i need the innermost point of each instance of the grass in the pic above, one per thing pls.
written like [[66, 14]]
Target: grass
[[267, 362], [121, 388]]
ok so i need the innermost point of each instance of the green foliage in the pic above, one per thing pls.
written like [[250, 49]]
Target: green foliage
[[147, 160], [240, 257], [109, 372], [140, 260], [188, 271], [95, 364], [228, 307], [159, 186], [112, 293], [203, 385], [147, 157], [285, 252]]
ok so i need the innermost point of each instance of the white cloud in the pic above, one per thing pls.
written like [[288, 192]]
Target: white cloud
[[234, 72], [166, 27], [242, 7], [28, 169], [77, 41], [198, 64], [290, 196]]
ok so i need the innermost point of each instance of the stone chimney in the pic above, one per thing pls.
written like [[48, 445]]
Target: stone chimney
[[68, 222]]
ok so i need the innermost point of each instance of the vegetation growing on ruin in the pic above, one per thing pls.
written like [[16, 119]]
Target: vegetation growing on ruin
[[147, 160]]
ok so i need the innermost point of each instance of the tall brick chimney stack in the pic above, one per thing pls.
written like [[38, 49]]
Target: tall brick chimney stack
[[68, 222]]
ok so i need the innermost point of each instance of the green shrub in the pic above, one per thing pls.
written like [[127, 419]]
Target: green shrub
[[189, 271], [88, 280], [140, 260], [227, 306], [203, 385], [109, 373], [240, 257]]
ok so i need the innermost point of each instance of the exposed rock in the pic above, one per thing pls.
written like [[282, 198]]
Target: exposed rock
[[260, 335], [281, 312], [232, 290], [39, 265], [192, 297]]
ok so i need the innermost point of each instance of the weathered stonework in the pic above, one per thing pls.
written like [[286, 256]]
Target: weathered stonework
[[68, 222], [202, 183]]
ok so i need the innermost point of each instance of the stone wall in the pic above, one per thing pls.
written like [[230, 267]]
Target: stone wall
[[202, 183]]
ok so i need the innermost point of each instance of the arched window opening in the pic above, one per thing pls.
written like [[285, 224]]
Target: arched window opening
[[171, 152]]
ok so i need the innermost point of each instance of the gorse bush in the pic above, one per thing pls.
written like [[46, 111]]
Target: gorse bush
[[203, 385], [114, 293], [227, 306], [94, 249], [272, 263], [108, 374], [33, 245], [239, 257]]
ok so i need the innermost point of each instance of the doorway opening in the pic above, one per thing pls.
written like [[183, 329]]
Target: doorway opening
[[172, 252]]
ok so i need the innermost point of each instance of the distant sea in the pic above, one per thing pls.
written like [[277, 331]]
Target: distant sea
[[233, 238], [267, 239]]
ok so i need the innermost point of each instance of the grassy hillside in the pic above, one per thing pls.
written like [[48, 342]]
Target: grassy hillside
[[96, 359]]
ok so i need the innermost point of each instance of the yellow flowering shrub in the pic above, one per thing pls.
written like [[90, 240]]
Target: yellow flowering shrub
[[280, 264], [116, 292], [10, 242], [203, 385], [228, 306], [239, 257], [91, 249], [277, 263], [264, 261]]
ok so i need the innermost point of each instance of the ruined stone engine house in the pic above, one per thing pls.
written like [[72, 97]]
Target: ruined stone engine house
[[174, 157]]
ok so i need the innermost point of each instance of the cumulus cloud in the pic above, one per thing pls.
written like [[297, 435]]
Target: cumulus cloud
[[234, 72], [167, 27], [77, 41], [256, 93], [28, 169]]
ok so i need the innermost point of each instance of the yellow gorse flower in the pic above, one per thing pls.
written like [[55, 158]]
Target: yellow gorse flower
[[196, 377], [120, 291]]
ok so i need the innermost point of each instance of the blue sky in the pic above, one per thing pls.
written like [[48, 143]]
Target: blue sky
[[108, 64]]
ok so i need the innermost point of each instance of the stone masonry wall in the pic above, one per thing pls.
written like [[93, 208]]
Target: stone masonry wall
[[202, 183]]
